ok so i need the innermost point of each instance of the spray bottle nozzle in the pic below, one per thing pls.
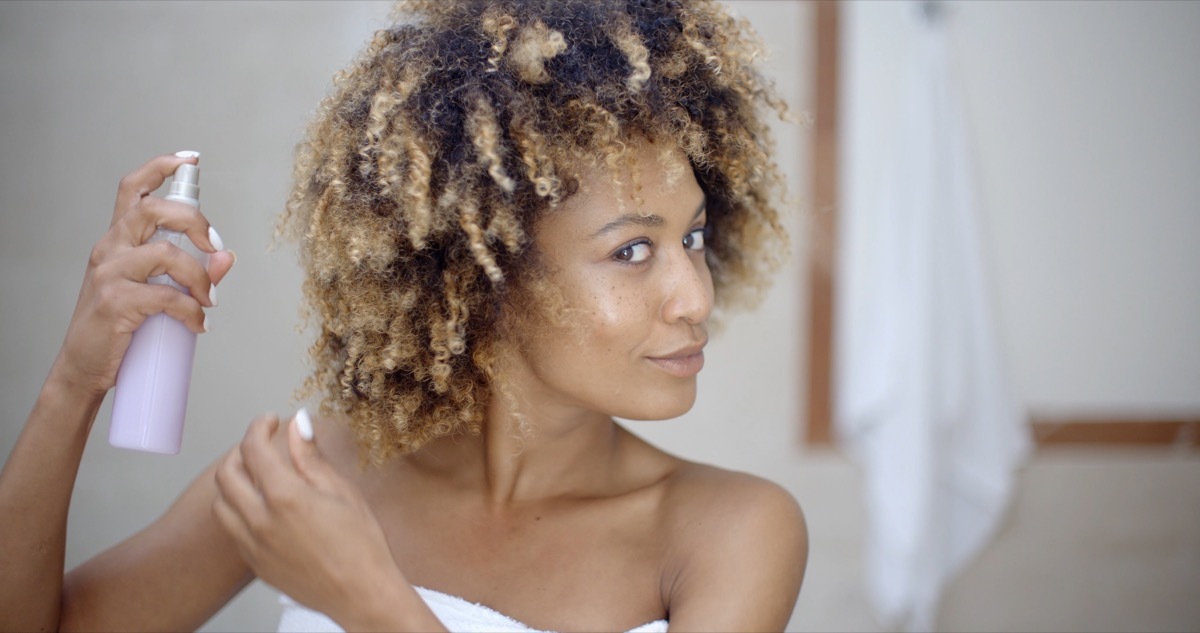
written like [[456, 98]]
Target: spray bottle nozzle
[[188, 173], [186, 183]]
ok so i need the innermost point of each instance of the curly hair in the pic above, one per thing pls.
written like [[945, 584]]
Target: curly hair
[[423, 173]]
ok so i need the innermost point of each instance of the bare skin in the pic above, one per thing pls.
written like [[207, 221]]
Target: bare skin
[[576, 525]]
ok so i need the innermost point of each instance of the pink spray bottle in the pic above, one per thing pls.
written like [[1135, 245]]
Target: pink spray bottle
[[152, 384]]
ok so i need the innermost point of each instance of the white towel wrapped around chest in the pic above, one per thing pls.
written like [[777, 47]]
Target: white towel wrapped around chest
[[457, 614]]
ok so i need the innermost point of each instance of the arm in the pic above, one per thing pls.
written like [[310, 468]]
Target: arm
[[39, 475], [35, 492], [172, 576], [745, 551]]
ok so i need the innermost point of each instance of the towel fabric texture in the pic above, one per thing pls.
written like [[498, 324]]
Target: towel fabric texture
[[457, 614]]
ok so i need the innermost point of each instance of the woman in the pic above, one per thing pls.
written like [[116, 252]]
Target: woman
[[515, 219]]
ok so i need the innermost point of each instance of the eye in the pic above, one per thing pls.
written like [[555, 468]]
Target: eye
[[633, 253], [694, 241]]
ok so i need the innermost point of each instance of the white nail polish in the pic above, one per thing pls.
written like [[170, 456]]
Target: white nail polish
[[304, 424], [212, 294], [205, 326], [215, 239], [187, 153]]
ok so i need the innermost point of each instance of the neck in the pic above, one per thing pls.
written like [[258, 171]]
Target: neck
[[531, 449]]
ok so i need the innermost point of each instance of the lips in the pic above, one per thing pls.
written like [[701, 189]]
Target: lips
[[683, 363]]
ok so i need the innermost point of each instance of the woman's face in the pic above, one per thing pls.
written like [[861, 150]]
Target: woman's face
[[638, 294]]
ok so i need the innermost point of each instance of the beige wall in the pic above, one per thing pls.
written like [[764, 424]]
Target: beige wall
[[89, 90], [1082, 117]]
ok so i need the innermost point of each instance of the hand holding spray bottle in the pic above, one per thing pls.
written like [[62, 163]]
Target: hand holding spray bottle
[[151, 394]]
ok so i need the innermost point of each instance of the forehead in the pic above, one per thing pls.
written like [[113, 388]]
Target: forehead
[[654, 181]]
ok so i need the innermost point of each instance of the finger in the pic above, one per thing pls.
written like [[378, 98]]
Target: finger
[[238, 507], [237, 490], [306, 457], [147, 178], [162, 258], [236, 527], [219, 264], [130, 303], [263, 461], [178, 306], [147, 215], [269, 420]]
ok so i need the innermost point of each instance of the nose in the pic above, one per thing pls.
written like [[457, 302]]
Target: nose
[[688, 287]]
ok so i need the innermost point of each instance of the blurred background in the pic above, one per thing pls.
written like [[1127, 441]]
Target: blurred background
[[1085, 148]]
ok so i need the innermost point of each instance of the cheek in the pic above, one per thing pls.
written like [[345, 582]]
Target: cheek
[[610, 311]]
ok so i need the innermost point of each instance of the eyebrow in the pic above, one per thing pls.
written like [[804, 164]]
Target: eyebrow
[[636, 219]]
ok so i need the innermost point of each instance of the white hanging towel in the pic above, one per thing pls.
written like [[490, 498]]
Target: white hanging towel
[[923, 402]]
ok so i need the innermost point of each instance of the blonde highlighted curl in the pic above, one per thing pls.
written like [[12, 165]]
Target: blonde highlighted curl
[[423, 173]]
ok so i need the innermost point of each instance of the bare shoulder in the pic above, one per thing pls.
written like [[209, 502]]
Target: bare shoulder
[[740, 548], [725, 498]]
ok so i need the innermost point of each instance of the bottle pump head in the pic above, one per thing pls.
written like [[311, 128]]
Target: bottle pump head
[[186, 183]]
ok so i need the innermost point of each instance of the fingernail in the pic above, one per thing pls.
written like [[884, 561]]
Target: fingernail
[[205, 326], [215, 239], [212, 294], [231, 252], [303, 424], [187, 153]]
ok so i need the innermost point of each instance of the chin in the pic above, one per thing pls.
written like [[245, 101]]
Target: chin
[[661, 404]]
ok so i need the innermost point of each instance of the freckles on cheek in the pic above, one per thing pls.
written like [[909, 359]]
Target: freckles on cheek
[[609, 307], [608, 304], [618, 320]]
